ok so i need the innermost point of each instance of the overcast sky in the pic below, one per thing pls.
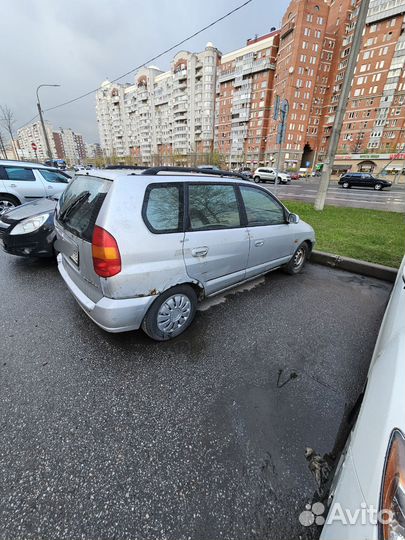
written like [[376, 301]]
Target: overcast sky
[[80, 43]]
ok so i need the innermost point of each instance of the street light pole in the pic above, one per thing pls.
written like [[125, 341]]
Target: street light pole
[[341, 108], [48, 146]]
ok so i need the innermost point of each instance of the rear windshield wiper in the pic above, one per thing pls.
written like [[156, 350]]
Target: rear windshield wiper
[[64, 214]]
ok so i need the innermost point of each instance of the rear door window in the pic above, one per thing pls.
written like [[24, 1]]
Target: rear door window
[[19, 174], [213, 206], [80, 205], [55, 177]]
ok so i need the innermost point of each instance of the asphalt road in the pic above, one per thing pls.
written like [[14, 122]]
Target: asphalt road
[[392, 199], [117, 437]]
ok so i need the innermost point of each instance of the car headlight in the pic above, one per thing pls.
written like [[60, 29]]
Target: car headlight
[[392, 503], [30, 225]]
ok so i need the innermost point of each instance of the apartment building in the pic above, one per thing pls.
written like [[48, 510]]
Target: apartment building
[[33, 133], [163, 113], [244, 91], [303, 64], [65, 143], [375, 116]]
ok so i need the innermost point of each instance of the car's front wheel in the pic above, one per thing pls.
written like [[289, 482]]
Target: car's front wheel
[[257, 179], [171, 313], [378, 187], [298, 260], [346, 185], [7, 202]]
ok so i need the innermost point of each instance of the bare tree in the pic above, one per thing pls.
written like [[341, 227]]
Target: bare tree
[[7, 120], [2, 147]]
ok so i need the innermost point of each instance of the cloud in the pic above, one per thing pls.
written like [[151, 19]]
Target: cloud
[[79, 43]]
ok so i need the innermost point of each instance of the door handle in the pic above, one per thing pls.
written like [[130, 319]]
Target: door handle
[[50, 187], [13, 185], [199, 252], [259, 243]]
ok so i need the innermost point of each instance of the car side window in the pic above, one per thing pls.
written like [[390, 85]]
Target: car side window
[[54, 177], [163, 209], [213, 206], [20, 174], [261, 209]]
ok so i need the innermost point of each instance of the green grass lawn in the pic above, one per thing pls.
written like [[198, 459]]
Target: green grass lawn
[[370, 235]]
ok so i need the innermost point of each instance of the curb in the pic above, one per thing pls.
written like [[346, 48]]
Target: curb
[[356, 266]]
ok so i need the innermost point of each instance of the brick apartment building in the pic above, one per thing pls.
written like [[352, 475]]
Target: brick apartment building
[[226, 101], [244, 92], [375, 116]]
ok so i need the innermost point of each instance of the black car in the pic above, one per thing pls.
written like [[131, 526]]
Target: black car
[[28, 230], [363, 180]]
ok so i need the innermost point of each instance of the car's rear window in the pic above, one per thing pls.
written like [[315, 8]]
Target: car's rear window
[[80, 204]]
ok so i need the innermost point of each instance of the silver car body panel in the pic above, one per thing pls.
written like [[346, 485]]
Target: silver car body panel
[[214, 260]]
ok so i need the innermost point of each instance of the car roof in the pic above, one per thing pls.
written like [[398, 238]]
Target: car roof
[[163, 177], [19, 163]]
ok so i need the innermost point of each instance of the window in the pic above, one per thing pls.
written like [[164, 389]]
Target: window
[[261, 209], [213, 207], [163, 209], [54, 176], [20, 174]]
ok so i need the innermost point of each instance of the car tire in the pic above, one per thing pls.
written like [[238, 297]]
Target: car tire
[[158, 322], [7, 202], [257, 179], [378, 187], [346, 185], [297, 261]]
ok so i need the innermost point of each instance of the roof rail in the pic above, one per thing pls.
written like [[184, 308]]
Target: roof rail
[[129, 167], [205, 172]]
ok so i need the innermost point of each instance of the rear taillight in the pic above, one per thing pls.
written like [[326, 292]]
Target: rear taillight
[[106, 255]]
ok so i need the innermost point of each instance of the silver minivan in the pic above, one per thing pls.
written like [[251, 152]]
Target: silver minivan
[[141, 250]]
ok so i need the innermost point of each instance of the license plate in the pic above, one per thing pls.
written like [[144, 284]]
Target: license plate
[[75, 257]]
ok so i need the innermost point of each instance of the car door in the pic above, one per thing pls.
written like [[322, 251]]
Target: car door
[[22, 183], [271, 174], [272, 239], [54, 182], [368, 180], [216, 243]]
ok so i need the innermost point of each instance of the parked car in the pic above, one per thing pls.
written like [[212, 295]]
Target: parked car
[[29, 230], [196, 236], [268, 174], [57, 163], [22, 182], [208, 167], [246, 172], [294, 176], [363, 180], [79, 168], [303, 172], [371, 471]]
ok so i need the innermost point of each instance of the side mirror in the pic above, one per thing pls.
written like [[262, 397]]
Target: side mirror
[[293, 218]]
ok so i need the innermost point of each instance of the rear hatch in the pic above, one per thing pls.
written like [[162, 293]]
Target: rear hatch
[[76, 216]]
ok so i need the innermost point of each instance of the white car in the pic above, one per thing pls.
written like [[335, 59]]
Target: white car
[[268, 174], [367, 498], [22, 181]]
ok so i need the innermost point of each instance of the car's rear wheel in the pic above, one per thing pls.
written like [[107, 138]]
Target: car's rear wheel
[[257, 179], [377, 187], [171, 313], [298, 260], [7, 202], [346, 185]]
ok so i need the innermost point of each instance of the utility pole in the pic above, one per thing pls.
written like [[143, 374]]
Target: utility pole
[[48, 146], [341, 108], [282, 111]]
